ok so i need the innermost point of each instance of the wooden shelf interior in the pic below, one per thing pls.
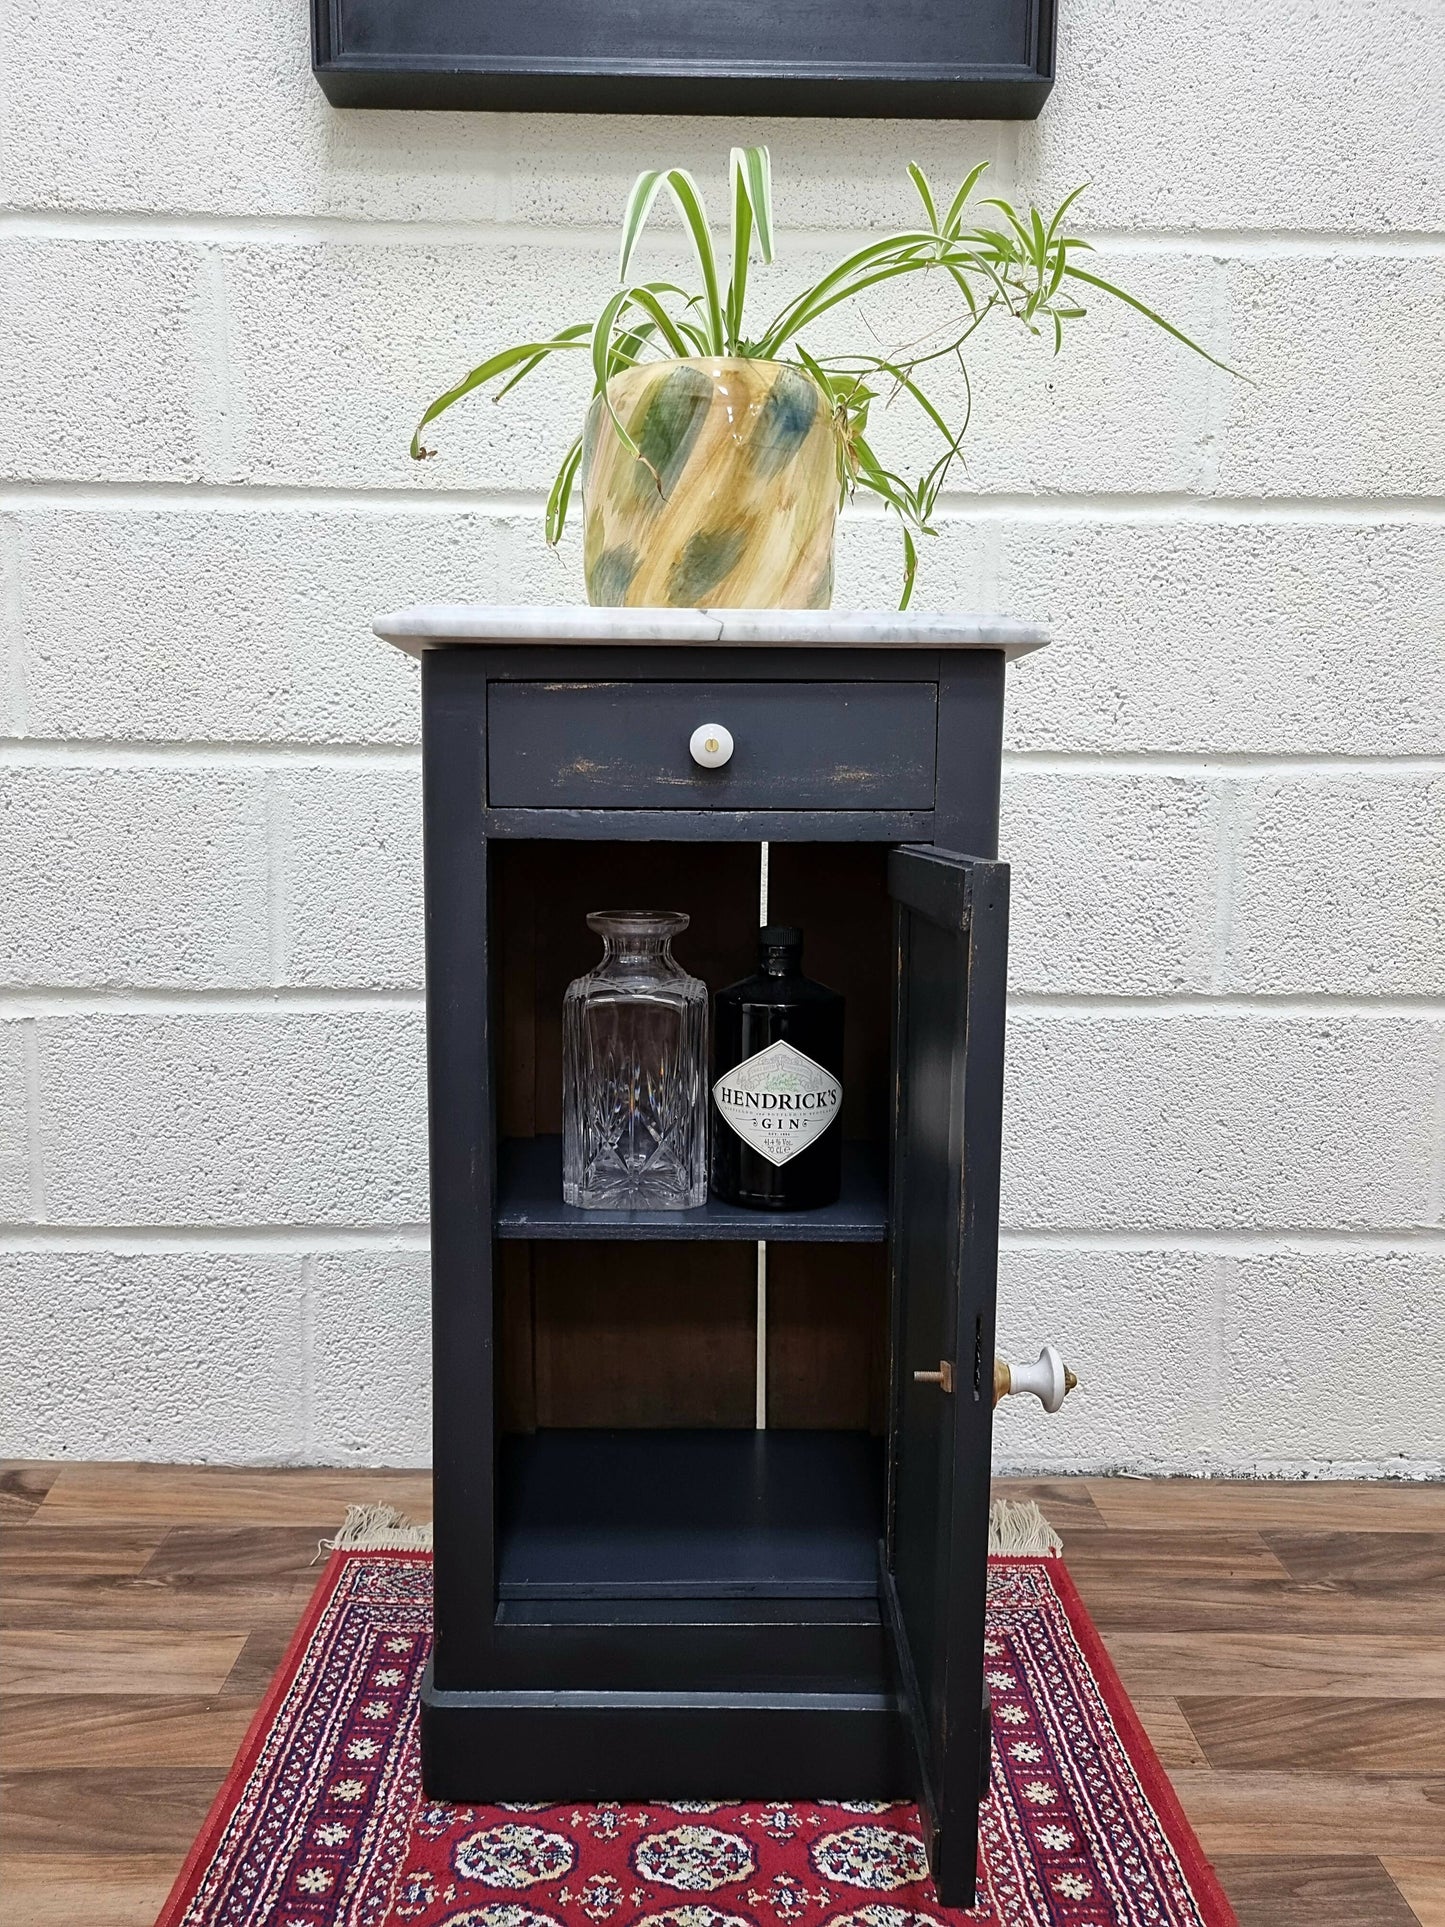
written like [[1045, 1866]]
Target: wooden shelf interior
[[625, 1334], [529, 1205], [724, 1514], [543, 891], [653, 1324]]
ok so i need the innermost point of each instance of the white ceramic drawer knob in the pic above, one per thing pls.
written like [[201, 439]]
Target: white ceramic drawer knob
[[711, 745]]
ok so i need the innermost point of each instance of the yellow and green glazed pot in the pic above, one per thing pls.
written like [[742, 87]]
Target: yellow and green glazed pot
[[734, 501]]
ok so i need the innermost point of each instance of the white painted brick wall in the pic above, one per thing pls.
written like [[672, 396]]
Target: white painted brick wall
[[101, 344], [214, 1115], [222, 305], [350, 852], [370, 1392], [118, 1333], [17, 1047], [1241, 1118], [134, 876]]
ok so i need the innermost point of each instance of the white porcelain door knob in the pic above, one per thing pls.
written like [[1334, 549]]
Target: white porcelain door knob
[[711, 745], [1047, 1378]]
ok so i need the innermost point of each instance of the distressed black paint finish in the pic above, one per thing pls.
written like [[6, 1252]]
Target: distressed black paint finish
[[797, 746], [951, 934], [460, 1120], [936, 58], [612, 1746], [713, 826], [872, 1688]]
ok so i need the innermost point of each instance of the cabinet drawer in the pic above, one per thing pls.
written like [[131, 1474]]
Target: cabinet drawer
[[796, 745]]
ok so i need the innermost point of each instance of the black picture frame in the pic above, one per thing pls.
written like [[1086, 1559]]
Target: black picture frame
[[915, 59]]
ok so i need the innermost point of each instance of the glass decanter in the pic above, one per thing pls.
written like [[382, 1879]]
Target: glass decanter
[[634, 1071]]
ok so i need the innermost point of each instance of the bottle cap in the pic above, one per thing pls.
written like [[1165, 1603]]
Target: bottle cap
[[773, 937]]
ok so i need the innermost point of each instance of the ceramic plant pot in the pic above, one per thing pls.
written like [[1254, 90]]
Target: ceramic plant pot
[[734, 501]]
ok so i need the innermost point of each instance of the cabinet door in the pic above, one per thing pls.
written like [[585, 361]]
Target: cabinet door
[[950, 945]]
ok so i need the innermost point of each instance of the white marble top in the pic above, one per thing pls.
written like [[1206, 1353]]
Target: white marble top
[[431, 625]]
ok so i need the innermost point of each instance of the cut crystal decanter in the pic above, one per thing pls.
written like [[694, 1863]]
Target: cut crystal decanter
[[634, 1071]]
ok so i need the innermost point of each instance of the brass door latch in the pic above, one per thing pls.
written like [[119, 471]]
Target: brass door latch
[[942, 1378], [1048, 1378]]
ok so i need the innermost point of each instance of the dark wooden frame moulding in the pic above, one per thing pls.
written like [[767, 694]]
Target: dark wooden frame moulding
[[973, 59]]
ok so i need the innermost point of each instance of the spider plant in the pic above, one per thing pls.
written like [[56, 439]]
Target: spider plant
[[1025, 267]]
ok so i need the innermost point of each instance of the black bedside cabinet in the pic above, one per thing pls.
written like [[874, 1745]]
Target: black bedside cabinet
[[640, 1592]]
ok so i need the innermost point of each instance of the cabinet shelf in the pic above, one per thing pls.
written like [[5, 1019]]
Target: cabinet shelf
[[529, 1205], [714, 1514]]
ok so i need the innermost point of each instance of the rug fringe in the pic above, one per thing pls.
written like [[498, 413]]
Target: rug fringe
[[1018, 1530], [378, 1528]]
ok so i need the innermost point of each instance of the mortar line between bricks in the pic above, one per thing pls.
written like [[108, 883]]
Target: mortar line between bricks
[[1218, 1347], [35, 1141], [84, 752], [311, 229], [276, 814], [57, 1000], [308, 1352], [293, 1240], [1206, 445], [300, 1239], [1374, 1240], [1229, 810], [1202, 762], [18, 1002], [1268, 1006], [12, 627], [1163, 505], [104, 752], [1437, 1174]]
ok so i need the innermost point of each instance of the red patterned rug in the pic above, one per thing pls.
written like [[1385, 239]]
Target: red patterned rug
[[321, 1822]]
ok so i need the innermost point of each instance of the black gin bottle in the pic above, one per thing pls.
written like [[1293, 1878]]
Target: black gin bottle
[[777, 1092]]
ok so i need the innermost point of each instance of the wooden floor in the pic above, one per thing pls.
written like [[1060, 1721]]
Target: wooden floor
[[1285, 1646]]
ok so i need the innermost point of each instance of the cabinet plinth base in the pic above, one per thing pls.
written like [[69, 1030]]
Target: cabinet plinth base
[[479, 1748]]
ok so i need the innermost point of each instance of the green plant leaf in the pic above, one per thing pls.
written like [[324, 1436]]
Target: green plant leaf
[[1063, 207], [602, 332], [897, 372], [956, 205], [1016, 260], [531, 352], [1014, 222], [561, 496], [819, 374], [687, 196], [742, 252], [645, 190], [1132, 301], [576, 334], [910, 567], [925, 193], [751, 174], [960, 280], [759, 165], [642, 296], [810, 303], [1040, 238]]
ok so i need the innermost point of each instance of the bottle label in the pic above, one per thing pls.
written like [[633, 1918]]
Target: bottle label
[[778, 1102]]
